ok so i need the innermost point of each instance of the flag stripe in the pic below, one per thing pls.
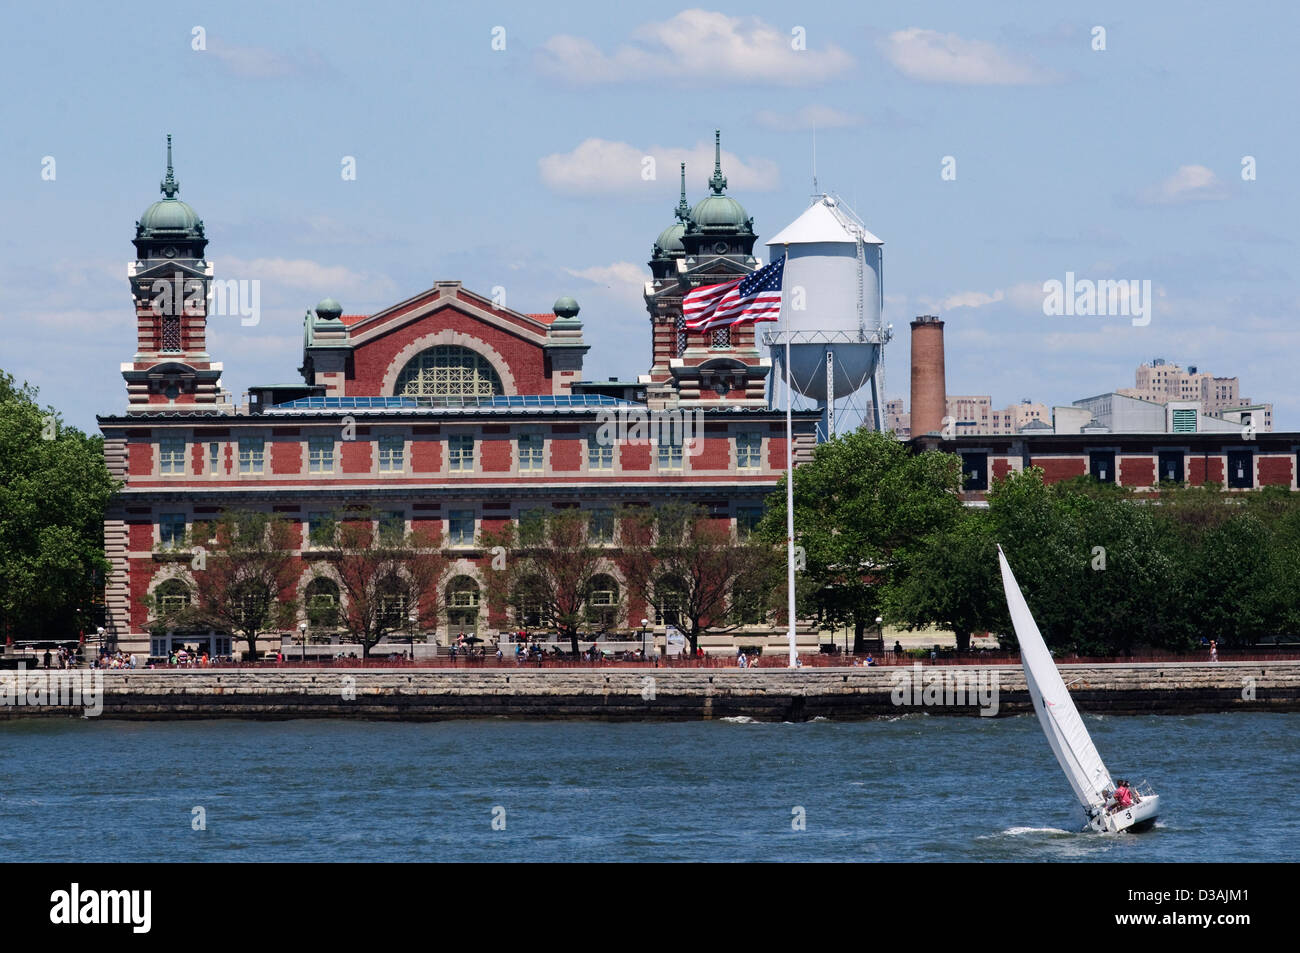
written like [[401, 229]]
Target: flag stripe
[[755, 297]]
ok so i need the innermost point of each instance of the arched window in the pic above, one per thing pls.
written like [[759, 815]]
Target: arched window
[[529, 600], [392, 603], [602, 600], [322, 600], [670, 597], [448, 371], [173, 598], [462, 606]]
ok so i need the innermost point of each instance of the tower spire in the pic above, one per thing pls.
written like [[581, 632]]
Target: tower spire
[[169, 186], [683, 210], [719, 181]]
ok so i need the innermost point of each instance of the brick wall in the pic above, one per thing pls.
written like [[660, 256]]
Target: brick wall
[[1056, 469], [286, 456], [1202, 469], [1137, 471], [355, 456], [426, 455], [1275, 470]]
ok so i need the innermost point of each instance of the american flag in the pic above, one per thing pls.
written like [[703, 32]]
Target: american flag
[[755, 297]]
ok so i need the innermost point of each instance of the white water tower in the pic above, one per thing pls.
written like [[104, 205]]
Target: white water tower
[[831, 316]]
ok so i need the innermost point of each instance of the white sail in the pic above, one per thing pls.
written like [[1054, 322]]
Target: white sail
[[1061, 723]]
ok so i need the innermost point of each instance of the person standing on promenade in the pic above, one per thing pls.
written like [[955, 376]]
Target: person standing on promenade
[[1214, 650]]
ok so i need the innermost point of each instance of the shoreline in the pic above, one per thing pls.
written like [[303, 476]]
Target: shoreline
[[645, 694]]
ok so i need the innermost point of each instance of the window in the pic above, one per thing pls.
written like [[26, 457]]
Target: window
[[670, 451], [532, 526], [252, 451], [600, 527], [392, 604], [1241, 469], [975, 470], [462, 606], [214, 457], [171, 455], [171, 333], [391, 450], [1184, 421], [747, 518], [1101, 464], [448, 372], [322, 599], [320, 453], [530, 451], [320, 528], [460, 451], [392, 526], [670, 596], [749, 450], [1170, 467], [460, 526], [600, 455], [173, 597], [602, 600], [681, 337], [171, 529], [721, 338]]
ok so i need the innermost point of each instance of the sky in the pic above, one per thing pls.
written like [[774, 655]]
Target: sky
[[993, 147]]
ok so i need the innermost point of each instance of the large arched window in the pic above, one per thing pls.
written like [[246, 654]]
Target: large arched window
[[602, 600], [462, 606], [173, 598], [448, 371], [322, 599]]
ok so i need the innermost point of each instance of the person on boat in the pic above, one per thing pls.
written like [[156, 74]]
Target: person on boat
[[1123, 795]]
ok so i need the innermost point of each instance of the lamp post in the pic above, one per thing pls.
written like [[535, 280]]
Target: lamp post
[[880, 635], [302, 629], [644, 623], [410, 634]]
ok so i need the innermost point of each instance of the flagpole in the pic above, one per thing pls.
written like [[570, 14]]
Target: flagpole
[[789, 499]]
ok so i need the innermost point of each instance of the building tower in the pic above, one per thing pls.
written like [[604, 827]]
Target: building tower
[[170, 281], [709, 244], [929, 387]]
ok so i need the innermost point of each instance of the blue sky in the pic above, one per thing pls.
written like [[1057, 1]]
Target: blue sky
[[522, 168]]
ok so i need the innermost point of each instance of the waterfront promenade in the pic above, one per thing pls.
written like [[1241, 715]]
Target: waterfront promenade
[[640, 692]]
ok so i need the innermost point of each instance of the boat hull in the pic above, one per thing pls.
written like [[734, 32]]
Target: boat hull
[[1140, 817]]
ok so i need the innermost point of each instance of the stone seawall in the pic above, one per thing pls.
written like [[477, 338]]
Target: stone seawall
[[665, 693]]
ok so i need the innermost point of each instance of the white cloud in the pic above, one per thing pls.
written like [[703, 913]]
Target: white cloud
[[258, 62], [303, 274], [807, 117], [601, 166], [696, 44], [933, 57], [1189, 183], [620, 275]]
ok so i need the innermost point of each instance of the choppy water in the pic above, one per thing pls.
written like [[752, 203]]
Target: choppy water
[[916, 788]]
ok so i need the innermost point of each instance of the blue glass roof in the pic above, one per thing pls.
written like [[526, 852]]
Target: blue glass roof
[[516, 402]]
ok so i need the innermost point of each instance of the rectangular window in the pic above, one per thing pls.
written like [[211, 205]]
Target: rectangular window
[[600, 456], [171, 455], [252, 454], [747, 518], [749, 450], [1101, 464], [975, 471], [532, 526], [392, 526], [530, 451], [460, 527], [171, 529], [460, 451], [214, 457], [1241, 469], [601, 526], [391, 450], [320, 453], [320, 528], [721, 338], [670, 451], [1170, 467]]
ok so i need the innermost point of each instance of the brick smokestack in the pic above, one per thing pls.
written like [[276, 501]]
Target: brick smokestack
[[929, 388]]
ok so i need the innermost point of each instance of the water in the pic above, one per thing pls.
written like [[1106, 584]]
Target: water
[[915, 788]]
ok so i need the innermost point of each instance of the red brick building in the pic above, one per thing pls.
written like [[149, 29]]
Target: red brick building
[[445, 411]]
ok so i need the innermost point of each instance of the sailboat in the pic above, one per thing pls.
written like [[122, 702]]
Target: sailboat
[[1066, 732]]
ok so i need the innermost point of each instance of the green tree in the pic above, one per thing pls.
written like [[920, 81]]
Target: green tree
[[54, 489], [858, 504], [551, 559], [950, 579], [244, 570]]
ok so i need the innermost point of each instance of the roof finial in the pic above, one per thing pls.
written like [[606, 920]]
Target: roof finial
[[719, 181], [169, 186], [683, 210]]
